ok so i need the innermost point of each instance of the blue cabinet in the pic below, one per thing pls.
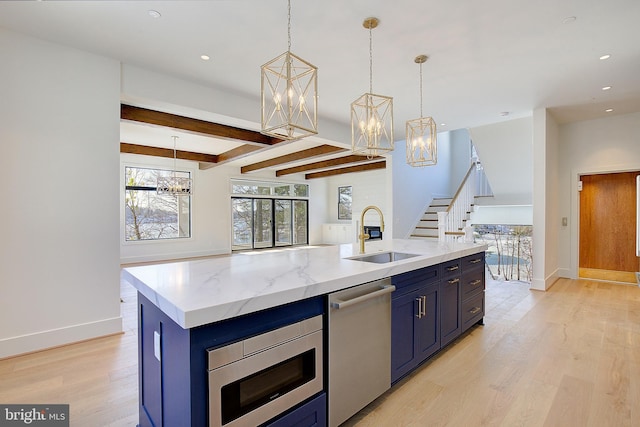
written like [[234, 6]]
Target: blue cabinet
[[173, 387], [310, 414], [431, 307], [450, 321], [415, 310]]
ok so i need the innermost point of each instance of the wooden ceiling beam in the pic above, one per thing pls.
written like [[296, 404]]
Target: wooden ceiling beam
[[167, 152], [354, 158], [293, 157], [350, 169], [188, 124]]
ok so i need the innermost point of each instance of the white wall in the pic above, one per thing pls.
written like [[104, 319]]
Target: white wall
[[609, 144], [60, 141], [211, 211], [414, 188], [506, 151], [369, 188], [459, 158], [545, 200]]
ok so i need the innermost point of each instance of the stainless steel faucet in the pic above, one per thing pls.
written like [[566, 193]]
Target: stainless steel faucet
[[362, 236]]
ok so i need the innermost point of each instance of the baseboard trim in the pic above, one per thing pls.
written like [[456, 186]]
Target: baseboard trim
[[544, 285], [15, 346]]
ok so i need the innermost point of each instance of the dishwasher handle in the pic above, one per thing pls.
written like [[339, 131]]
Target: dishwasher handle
[[338, 304]]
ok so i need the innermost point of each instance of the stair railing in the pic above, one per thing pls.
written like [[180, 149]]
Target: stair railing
[[451, 223]]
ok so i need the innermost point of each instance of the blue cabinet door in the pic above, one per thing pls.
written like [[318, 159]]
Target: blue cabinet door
[[403, 330], [450, 324], [427, 338]]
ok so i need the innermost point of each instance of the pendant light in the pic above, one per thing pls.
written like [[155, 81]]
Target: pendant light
[[174, 185], [422, 146], [371, 114], [289, 94]]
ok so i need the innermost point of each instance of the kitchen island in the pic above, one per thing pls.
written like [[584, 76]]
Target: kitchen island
[[189, 307]]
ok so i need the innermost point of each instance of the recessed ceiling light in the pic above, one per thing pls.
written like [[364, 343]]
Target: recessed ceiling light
[[443, 124], [606, 88], [154, 13], [608, 110], [504, 113], [569, 19], [205, 57], [603, 57]]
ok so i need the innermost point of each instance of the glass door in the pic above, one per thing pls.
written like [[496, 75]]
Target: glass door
[[262, 223], [242, 217], [283, 222]]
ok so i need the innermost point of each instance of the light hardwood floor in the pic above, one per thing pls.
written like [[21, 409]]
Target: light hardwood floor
[[566, 357]]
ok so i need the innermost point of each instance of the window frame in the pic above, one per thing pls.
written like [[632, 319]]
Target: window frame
[[124, 188]]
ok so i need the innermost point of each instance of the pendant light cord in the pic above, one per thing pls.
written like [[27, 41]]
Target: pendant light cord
[[370, 60], [289, 25], [175, 154], [421, 90]]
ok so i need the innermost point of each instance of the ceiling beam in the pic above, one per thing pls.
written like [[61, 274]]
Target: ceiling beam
[[350, 169], [167, 152], [354, 158], [188, 124], [293, 157]]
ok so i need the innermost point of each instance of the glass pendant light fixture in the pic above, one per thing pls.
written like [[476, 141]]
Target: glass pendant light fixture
[[422, 147], [371, 114], [174, 185], [289, 95]]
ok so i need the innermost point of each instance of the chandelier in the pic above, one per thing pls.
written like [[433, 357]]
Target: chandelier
[[289, 95], [371, 115], [174, 185], [422, 147]]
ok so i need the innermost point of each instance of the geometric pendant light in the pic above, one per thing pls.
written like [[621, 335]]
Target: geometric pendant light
[[371, 114], [174, 185], [289, 91], [422, 146]]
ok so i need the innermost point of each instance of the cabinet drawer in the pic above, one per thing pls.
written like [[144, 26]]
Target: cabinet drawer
[[472, 310], [474, 261], [472, 283], [411, 280], [451, 268]]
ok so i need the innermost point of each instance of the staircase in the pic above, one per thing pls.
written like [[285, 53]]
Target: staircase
[[427, 227], [446, 219]]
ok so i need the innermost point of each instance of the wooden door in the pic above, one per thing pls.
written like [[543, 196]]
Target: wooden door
[[608, 222]]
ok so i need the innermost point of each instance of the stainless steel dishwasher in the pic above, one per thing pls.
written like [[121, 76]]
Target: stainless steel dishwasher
[[359, 347]]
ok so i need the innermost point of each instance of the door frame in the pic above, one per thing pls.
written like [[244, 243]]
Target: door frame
[[576, 173]]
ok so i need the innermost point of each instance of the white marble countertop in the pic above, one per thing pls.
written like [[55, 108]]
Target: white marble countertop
[[200, 291]]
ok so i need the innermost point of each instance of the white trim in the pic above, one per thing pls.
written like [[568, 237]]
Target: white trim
[[544, 285], [56, 337], [173, 256]]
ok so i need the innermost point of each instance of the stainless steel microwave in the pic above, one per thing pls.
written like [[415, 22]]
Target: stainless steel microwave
[[254, 380]]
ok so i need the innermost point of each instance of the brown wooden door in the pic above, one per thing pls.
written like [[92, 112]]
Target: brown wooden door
[[608, 222]]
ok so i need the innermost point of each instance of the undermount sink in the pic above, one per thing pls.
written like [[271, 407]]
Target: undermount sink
[[383, 257]]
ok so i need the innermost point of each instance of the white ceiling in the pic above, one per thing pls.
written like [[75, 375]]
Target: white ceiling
[[486, 58]]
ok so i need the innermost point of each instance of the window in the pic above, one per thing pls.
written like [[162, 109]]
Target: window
[[344, 202], [149, 216], [267, 215]]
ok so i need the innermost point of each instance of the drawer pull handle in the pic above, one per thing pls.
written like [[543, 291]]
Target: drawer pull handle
[[453, 268], [475, 282], [475, 261], [453, 281], [422, 306], [474, 310]]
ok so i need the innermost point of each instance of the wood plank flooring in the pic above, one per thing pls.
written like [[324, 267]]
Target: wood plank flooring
[[566, 357]]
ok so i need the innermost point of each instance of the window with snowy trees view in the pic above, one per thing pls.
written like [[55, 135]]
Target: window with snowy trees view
[[149, 216]]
